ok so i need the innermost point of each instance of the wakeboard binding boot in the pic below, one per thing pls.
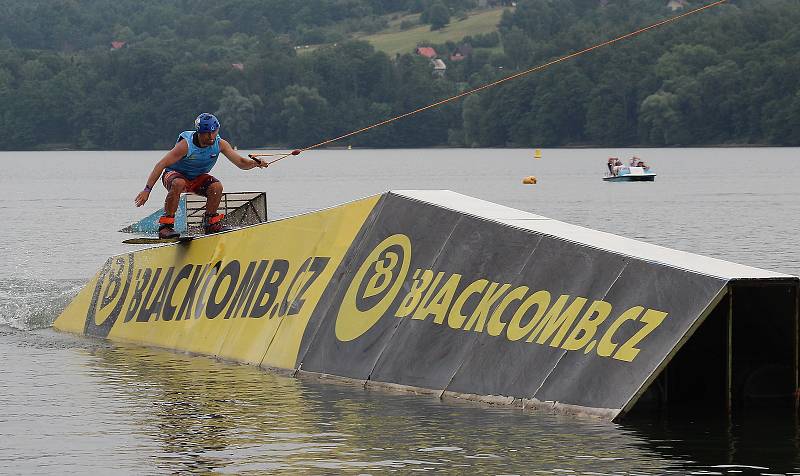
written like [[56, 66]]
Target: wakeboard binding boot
[[212, 223], [166, 228]]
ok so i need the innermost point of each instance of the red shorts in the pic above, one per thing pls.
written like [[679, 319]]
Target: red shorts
[[199, 185]]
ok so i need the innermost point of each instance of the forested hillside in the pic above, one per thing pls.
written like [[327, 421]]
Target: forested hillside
[[130, 75]]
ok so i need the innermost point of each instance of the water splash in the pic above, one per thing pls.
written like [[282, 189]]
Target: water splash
[[28, 304]]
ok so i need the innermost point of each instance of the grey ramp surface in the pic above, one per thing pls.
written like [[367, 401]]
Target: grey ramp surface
[[500, 367], [452, 234], [426, 355], [356, 359], [582, 235]]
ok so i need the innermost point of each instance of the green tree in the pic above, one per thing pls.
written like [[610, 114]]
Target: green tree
[[238, 114], [438, 15], [304, 114], [472, 113], [685, 60], [518, 48], [782, 121], [661, 120]]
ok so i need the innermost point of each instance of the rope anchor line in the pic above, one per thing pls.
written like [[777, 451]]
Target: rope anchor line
[[498, 82]]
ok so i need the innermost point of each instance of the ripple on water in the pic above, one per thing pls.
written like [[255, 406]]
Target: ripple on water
[[29, 304]]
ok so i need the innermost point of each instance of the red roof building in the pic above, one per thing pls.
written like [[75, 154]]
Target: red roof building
[[117, 44], [426, 51]]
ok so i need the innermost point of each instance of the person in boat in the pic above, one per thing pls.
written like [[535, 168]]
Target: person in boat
[[186, 167], [613, 165], [637, 162]]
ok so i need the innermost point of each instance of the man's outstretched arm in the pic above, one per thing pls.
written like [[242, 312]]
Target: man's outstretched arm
[[174, 155], [239, 161]]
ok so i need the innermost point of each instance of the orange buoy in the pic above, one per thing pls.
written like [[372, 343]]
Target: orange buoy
[[530, 180]]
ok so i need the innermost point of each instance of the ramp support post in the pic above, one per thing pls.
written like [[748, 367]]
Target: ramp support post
[[729, 355], [796, 348]]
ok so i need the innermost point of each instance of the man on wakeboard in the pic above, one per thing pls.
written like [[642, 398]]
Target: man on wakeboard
[[186, 169]]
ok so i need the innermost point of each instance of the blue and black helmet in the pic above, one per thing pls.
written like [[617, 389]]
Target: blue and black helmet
[[206, 122]]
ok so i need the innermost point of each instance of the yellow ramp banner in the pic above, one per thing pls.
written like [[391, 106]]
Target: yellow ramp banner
[[244, 295]]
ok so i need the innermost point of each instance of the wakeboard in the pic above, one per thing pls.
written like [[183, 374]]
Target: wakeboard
[[155, 241]]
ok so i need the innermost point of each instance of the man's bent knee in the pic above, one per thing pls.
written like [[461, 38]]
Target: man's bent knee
[[215, 187], [178, 185]]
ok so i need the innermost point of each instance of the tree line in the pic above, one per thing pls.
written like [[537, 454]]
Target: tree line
[[730, 75]]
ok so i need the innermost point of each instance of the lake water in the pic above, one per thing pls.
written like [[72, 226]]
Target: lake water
[[69, 404]]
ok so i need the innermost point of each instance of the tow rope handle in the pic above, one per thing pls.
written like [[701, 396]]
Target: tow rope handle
[[281, 156]]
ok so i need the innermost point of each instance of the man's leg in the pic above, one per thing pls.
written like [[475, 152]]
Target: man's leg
[[212, 221], [176, 188], [213, 196], [166, 228]]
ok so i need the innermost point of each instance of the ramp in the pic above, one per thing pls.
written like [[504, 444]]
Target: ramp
[[240, 209], [439, 292]]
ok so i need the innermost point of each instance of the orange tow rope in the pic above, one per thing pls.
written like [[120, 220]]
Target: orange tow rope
[[500, 81]]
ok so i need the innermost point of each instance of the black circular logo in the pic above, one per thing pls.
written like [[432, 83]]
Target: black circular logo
[[109, 295]]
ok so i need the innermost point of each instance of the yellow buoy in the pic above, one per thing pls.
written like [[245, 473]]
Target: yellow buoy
[[537, 154], [530, 180]]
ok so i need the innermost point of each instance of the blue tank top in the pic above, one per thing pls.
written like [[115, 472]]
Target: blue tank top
[[198, 160]]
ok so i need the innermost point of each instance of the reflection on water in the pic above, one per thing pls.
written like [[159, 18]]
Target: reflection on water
[[210, 416], [146, 410]]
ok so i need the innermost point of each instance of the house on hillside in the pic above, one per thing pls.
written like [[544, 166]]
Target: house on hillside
[[426, 51], [439, 67], [461, 52], [115, 45]]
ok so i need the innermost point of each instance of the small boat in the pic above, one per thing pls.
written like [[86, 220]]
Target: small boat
[[637, 171], [630, 174]]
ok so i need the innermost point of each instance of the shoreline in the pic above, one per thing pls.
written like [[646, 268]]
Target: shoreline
[[564, 147]]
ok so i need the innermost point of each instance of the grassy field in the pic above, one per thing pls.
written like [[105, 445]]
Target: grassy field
[[397, 41]]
